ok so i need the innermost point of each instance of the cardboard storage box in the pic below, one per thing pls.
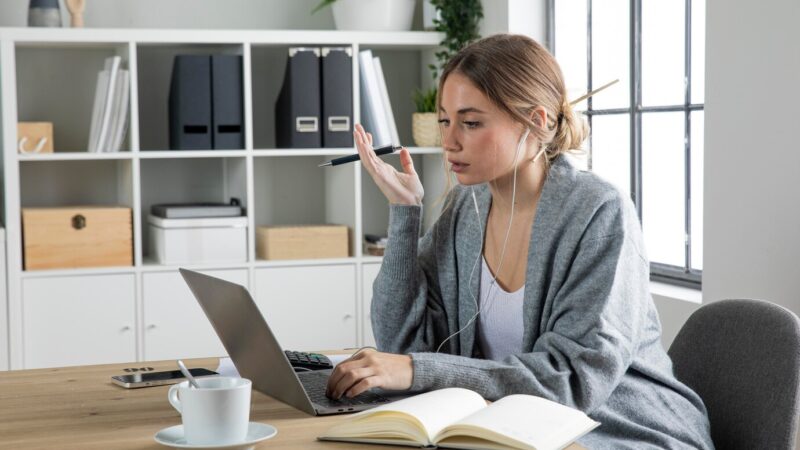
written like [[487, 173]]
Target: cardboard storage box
[[203, 240], [302, 242], [79, 236]]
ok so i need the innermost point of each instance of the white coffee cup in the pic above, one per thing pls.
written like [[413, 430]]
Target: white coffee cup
[[217, 413]]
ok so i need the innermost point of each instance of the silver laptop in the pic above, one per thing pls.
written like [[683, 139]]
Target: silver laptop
[[257, 354]]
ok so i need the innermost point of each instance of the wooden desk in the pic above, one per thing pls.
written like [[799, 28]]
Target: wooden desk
[[79, 407]]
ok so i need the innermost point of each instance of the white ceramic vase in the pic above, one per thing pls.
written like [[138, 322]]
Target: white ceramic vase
[[373, 15], [429, 13]]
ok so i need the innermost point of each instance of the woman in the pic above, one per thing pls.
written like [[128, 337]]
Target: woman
[[534, 279]]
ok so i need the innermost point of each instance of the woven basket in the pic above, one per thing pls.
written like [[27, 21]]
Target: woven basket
[[425, 128]]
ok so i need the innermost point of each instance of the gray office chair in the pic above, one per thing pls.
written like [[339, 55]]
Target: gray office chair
[[743, 358]]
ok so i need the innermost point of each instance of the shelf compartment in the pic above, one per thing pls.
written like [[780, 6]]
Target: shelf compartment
[[154, 63], [195, 180], [268, 64], [79, 182], [405, 71], [66, 102], [293, 190]]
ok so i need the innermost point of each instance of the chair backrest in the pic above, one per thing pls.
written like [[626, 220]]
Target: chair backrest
[[742, 357]]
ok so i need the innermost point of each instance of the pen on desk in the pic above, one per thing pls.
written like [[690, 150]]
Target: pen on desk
[[355, 157]]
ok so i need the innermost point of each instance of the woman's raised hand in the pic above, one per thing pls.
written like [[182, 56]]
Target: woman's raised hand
[[402, 188]]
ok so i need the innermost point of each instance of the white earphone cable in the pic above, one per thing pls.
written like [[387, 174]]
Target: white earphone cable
[[505, 241]]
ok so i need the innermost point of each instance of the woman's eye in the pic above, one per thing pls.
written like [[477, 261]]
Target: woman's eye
[[471, 124], [444, 122]]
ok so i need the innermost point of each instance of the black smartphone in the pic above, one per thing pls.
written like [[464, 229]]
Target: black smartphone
[[147, 379]]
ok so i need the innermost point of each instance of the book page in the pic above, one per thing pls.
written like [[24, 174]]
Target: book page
[[525, 422], [433, 410]]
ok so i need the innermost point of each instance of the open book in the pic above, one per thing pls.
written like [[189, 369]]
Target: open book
[[460, 418]]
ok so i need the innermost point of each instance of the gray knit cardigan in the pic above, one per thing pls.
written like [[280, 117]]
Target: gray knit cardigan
[[591, 331]]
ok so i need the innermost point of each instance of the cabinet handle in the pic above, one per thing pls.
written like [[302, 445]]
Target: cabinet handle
[[151, 326], [126, 328], [79, 222], [348, 316]]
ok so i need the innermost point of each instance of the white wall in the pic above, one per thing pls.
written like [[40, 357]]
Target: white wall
[[526, 17], [752, 161]]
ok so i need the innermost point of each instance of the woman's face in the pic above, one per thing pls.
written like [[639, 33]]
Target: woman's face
[[479, 139]]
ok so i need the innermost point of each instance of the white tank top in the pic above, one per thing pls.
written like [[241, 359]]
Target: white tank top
[[500, 324]]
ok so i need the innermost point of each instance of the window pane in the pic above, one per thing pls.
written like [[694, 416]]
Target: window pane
[[698, 51], [611, 53], [663, 213], [698, 120], [570, 47], [611, 149], [663, 42]]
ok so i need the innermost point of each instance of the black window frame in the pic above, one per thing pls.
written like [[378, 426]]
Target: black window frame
[[686, 275]]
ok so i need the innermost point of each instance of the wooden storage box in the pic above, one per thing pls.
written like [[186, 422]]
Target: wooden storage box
[[302, 242], [81, 236]]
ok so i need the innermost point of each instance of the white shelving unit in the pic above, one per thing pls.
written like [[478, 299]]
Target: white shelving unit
[[140, 312]]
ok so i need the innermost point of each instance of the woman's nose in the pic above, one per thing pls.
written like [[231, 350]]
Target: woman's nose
[[450, 140]]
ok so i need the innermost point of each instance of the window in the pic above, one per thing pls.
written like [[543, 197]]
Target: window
[[647, 129]]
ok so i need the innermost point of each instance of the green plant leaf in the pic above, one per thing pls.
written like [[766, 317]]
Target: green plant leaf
[[459, 21], [425, 101]]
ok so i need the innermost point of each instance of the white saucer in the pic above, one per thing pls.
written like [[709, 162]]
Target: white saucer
[[256, 432]]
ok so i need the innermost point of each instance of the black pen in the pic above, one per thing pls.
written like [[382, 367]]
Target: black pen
[[355, 157]]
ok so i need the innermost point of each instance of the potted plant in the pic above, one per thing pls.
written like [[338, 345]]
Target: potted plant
[[424, 122], [459, 21], [371, 15]]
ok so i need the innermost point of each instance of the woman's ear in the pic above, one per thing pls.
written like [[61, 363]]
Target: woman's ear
[[539, 117]]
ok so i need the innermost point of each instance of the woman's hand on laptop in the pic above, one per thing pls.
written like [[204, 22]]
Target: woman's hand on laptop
[[370, 369]]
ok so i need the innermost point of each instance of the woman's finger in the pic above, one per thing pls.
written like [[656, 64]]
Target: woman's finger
[[363, 149], [364, 385], [367, 136], [339, 372], [354, 362], [407, 162], [350, 379]]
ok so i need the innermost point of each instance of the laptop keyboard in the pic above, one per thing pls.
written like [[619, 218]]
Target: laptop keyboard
[[316, 382]]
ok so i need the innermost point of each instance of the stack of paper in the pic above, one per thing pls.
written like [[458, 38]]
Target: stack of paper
[[110, 112], [376, 109]]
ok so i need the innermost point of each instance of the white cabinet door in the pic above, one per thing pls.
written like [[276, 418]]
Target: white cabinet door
[[368, 274], [78, 320], [309, 308], [174, 324]]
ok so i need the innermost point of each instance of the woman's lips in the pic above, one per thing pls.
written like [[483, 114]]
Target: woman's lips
[[457, 167]]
